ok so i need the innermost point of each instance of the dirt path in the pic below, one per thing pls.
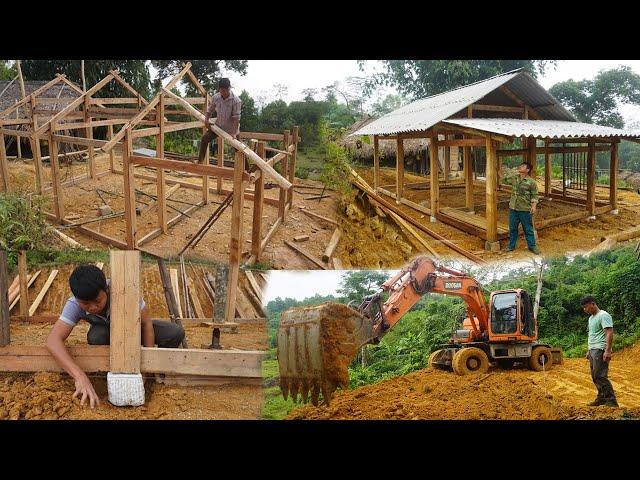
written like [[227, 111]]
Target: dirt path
[[519, 394]]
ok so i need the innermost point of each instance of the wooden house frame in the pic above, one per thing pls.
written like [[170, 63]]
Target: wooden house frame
[[452, 130]]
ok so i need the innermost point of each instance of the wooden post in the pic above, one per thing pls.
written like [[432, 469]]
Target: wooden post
[[376, 163], [129, 192], [205, 159], [591, 179], [282, 200], [613, 178], [84, 81], [111, 153], [125, 334], [433, 176], [5, 336], [492, 244], [89, 135], [58, 204], [4, 167], [447, 159], [18, 138], [399, 168], [258, 204], [235, 244], [36, 153], [547, 170], [24, 288], [533, 157], [160, 173], [292, 165], [468, 179], [220, 162]]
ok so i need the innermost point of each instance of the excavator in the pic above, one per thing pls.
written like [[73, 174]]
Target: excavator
[[315, 345]]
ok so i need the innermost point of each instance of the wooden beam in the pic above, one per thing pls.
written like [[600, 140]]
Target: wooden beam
[[270, 233], [173, 272], [129, 192], [4, 166], [399, 169], [468, 178], [268, 137], [16, 293], [125, 334], [220, 152], [24, 289], [43, 292], [205, 160], [5, 334], [533, 160], [376, 163], [497, 108], [37, 162], [160, 173], [591, 179], [282, 194], [512, 96], [181, 166], [235, 242], [433, 177], [258, 208], [462, 142], [492, 243], [264, 166], [90, 142], [158, 231], [613, 178], [292, 165], [26, 99], [172, 127], [333, 243], [93, 358], [547, 170], [319, 217], [111, 152], [305, 254]]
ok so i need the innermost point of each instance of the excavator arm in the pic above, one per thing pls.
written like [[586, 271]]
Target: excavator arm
[[315, 345]]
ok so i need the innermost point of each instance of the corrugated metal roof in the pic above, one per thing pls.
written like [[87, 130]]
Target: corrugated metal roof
[[541, 128], [423, 114]]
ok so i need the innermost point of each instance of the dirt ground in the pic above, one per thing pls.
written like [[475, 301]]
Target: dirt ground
[[519, 394], [48, 395], [372, 242], [82, 200]]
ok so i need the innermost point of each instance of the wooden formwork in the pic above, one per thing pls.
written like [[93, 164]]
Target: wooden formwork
[[149, 118]]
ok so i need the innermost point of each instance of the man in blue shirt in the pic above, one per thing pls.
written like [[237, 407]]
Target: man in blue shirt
[[599, 354], [90, 301]]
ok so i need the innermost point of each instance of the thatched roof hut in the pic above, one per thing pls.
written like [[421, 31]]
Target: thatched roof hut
[[10, 93]]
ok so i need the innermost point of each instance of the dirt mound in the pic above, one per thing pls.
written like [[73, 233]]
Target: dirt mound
[[519, 394]]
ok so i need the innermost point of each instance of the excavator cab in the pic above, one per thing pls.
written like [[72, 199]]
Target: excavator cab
[[511, 318]]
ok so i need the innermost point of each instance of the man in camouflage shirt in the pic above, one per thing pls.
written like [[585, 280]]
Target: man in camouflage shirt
[[522, 205]]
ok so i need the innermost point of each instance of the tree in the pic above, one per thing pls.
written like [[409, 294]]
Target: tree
[[208, 72], [422, 78], [7, 72], [280, 90], [274, 117], [596, 100], [356, 284], [135, 72], [250, 117], [388, 104]]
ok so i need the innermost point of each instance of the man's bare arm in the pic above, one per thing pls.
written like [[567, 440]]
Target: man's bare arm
[[148, 336], [55, 345], [608, 331]]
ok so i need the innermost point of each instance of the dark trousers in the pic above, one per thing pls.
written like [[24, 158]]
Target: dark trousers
[[599, 375], [204, 145], [517, 217], [167, 334]]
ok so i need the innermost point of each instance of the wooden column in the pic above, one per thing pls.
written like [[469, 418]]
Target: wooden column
[[292, 165], [591, 179], [613, 178], [18, 138], [235, 244], [447, 159], [5, 337], [533, 157], [111, 153], [205, 160], [376, 163], [89, 134], [220, 162], [258, 204], [129, 192], [433, 176], [58, 204], [4, 166], [468, 179], [399, 168], [36, 153], [125, 331], [492, 243], [547, 170], [24, 288], [160, 173], [282, 199]]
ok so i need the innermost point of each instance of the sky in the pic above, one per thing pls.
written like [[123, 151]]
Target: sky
[[298, 75]]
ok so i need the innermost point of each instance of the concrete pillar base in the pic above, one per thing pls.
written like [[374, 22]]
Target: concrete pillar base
[[433, 219], [492, 246], [591, 218], [614, 212]]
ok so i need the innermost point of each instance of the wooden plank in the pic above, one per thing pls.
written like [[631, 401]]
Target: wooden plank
[[258, 208], [160, 174], [468, 178], [497, 108], [270, 233], [158, 231], [273, 137], [14, 294], [591, 179], [333, 243], [5, 333], [613, 177], [462, 142], [194, 299], [93, 358], [173, 272], [399, 169], [305, 254], [254, 284], [376, 162], [235, 242], [337, 264], [475, 220], [433, 177], [206, 159], [181, 166], [264, 166], [320, 217], [43, 292], [491, 195], [125, 333], [79, 141], [172, 127], [24, 289], [129, 192], [402, 223]]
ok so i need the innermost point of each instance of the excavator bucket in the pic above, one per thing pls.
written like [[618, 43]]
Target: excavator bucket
[[315, 346]]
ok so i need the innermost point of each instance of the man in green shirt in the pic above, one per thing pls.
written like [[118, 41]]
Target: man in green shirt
[[599, 354], [522, 205]]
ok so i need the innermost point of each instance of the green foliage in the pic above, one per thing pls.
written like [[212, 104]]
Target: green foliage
[[422, 78], [7, 72], [596, 100], [22, 222], [356, 284], [208, 72], [388, 104]]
